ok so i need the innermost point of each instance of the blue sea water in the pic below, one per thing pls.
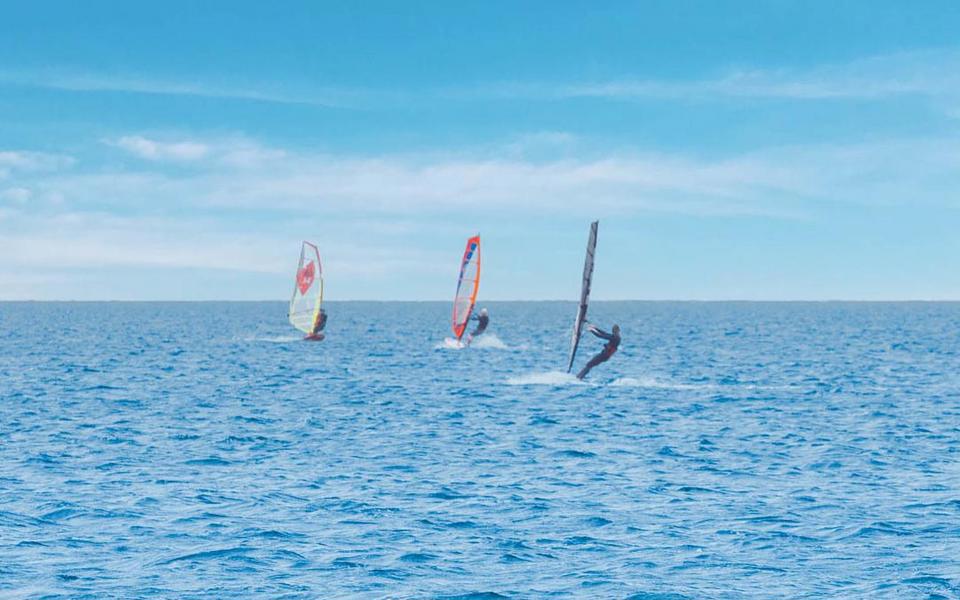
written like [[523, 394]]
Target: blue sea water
[[729, 450]]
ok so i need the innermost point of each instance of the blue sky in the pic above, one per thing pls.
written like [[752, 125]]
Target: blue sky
[[741, 150]]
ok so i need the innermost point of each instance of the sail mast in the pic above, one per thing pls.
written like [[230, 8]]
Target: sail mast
[[584, 293]]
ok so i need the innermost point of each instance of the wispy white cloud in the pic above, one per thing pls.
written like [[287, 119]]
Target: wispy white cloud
[[100, 82], [538, 143], [242, 206], [25, 161], [157, 150], [236, 152], [47, 255], [78, 239], [933, 73], [510, 177], [241, 175], [261, 91], [930, 73], [15, 195]]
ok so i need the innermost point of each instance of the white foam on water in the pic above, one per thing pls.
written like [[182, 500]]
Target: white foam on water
[[488, 341], [652, 382], [628, 382], [280, 339], [555, 378], [449, 344]]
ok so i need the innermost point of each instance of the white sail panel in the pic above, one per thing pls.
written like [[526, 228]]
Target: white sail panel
[[307, 289]]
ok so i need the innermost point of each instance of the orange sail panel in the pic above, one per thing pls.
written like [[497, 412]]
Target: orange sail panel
[[467, 285]]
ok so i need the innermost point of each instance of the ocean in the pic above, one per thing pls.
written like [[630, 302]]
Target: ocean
[[729, 450]]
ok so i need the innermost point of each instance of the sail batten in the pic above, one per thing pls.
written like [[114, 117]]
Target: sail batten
[[307, 289], [468, 283], [584, 293]]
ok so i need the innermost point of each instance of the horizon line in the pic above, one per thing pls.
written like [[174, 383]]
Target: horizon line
[[446, 301]]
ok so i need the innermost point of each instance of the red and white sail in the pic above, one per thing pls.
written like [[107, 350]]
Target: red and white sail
[[307, 289]]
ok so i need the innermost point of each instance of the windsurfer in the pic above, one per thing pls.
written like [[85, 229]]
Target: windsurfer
[[613, 342], [318, 325], [483, 319]]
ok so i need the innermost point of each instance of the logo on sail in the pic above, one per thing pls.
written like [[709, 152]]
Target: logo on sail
[[305, 277]]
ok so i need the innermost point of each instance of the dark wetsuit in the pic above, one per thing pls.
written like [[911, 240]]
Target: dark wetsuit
[[613, 342], [484, 320], [318, 327]]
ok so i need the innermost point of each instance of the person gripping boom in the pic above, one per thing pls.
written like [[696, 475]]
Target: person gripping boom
[[318, 326], [613, 342], [483, 320]]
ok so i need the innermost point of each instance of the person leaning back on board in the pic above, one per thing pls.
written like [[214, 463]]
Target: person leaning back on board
[[613, 342]]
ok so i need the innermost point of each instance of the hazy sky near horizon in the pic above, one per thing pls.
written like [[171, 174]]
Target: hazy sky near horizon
[[736, 150]]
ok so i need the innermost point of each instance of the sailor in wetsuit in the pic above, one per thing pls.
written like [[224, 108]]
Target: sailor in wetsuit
[[483, 319], [318, 326], [613, 342]]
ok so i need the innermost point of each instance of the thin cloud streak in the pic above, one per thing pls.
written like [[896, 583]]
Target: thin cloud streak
[[243, 178], [778, 182], [155, 150], [265, 92], [398, 185], [931, 73], [237, 152], [48, 256]]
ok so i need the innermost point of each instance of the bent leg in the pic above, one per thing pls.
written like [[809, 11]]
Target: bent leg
[[596, 360]]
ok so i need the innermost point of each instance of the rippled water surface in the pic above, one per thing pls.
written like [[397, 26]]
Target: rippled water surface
[[728, 451]]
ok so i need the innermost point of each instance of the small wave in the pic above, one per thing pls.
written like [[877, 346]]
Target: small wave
[[279, 339], [549, 378], [394, 574], [207, 555], [12, 519], [650, 382], [575, 454], [270, 534], [513, 558], [215, 461], [418, 557]]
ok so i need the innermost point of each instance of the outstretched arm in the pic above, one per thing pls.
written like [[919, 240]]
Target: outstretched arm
[[600, 333]]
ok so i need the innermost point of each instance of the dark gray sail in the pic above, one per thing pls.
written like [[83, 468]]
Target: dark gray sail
[[584, 293]]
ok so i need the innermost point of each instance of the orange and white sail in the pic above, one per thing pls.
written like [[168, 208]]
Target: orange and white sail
[[468, 283]]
